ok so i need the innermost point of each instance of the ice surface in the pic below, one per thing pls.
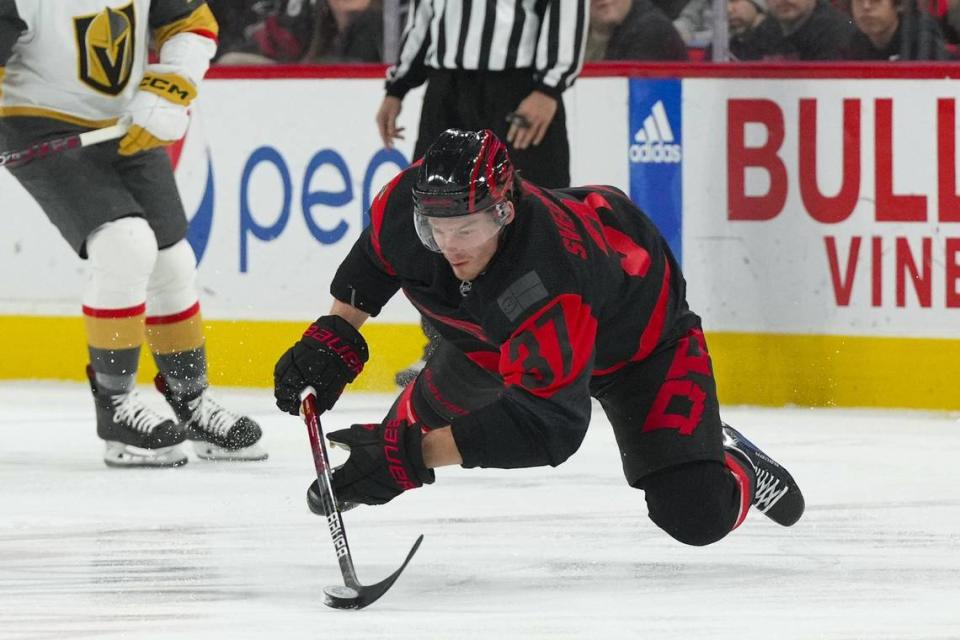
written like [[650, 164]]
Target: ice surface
[[229, 550]]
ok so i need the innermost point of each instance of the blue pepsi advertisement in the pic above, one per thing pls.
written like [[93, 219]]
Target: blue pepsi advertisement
[[656, 155]]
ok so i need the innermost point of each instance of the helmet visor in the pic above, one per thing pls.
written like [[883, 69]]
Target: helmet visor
[[460, 233]]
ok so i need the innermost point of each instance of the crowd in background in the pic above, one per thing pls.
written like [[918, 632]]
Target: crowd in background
[[351, 31]]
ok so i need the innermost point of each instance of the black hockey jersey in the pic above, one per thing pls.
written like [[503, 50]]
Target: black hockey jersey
[[581, 285]]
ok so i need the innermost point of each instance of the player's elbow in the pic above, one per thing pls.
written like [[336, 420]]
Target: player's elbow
[[563, 441]]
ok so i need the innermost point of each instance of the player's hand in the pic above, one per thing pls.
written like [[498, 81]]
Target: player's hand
[[385, 460], [387, 121], [330, 354], [157, 113], [531, 119]]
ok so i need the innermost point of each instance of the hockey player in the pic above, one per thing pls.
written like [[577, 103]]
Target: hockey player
[[67, 67], [544, 298]]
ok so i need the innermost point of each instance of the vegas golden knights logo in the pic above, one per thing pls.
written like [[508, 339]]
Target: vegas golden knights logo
[[106, 48]]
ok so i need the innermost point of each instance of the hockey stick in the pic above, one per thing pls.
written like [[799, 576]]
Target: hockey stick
[[59, 145], [352, 595]]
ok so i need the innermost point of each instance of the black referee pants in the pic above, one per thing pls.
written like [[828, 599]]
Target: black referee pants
[[481, 100]]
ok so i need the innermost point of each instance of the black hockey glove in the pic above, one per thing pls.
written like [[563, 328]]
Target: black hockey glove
[[385, 460], [330, 354]]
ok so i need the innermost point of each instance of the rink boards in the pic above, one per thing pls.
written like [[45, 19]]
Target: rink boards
[[817, 216]]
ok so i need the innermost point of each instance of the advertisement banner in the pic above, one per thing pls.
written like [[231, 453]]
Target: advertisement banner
[[826, 208], [656, 154]]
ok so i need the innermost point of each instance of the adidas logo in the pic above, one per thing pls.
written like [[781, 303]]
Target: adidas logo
[[655, 142]]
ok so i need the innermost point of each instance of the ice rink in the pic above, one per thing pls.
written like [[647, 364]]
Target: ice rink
[[229, 550]]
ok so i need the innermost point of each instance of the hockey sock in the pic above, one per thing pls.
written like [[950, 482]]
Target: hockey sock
[[121, 256], [174, 325]]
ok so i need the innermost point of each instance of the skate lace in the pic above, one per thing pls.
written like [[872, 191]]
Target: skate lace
[[210, 416], [128, 408], [768, 491]]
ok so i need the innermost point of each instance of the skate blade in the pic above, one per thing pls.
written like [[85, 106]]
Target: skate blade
[[119, 455], [207, 451]]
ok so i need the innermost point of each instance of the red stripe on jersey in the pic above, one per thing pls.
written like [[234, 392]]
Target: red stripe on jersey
[[205, 33], [186, 314], [489, 360], [468, 327], [127, 312], [377, 211], [651, 333], [405, 404], [743, 481]]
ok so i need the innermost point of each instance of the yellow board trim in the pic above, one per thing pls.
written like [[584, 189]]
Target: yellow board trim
[[36, 112], [756, 369], [241, 353], [200, 20]]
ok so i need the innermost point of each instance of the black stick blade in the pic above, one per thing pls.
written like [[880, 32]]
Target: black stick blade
[[341, 598]]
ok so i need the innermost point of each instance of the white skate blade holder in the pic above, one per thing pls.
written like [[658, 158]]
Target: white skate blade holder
[[208, 451], [117, 454]]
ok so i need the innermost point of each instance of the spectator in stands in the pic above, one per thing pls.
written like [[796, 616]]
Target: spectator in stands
[[747, 40], [632, 30], [282, 33], [893, 30], [347, 31], [234, 17], [695, 23], [804, 30], [671, 8]]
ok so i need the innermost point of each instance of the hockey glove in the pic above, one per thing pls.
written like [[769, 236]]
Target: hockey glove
[[330, 354], [157, 114], [385, 460]]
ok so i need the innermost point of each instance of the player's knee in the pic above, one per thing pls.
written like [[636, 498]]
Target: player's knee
[[172, 284], [127, 244], [695, 503], [121, 254]]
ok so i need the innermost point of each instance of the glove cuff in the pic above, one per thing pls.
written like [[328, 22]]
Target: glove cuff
[[333, 333], [172, 87], [413, 444]]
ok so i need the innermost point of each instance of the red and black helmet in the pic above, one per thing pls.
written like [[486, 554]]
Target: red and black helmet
[[463, 172]]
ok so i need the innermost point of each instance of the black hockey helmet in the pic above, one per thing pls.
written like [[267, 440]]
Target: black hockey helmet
[[463, 172]]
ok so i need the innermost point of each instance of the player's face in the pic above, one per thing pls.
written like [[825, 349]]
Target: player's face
[[469, 242]]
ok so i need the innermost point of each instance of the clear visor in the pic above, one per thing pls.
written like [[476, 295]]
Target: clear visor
[[460, 233]]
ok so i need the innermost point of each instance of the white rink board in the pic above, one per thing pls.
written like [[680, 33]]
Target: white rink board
[[770, 276], [775, 275], [297, 119]]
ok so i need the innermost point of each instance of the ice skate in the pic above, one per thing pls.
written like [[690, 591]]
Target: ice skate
[[135, 435], [775, 494], [216, 432]]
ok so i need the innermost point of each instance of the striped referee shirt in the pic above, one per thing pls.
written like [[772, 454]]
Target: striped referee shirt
[[546, 36]]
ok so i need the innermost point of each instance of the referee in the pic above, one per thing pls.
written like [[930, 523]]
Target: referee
[[492, 64]]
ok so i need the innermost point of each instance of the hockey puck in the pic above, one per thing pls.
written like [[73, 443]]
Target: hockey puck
[[340, 597]]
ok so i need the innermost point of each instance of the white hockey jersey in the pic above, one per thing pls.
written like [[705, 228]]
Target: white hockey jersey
[[81, 60]]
